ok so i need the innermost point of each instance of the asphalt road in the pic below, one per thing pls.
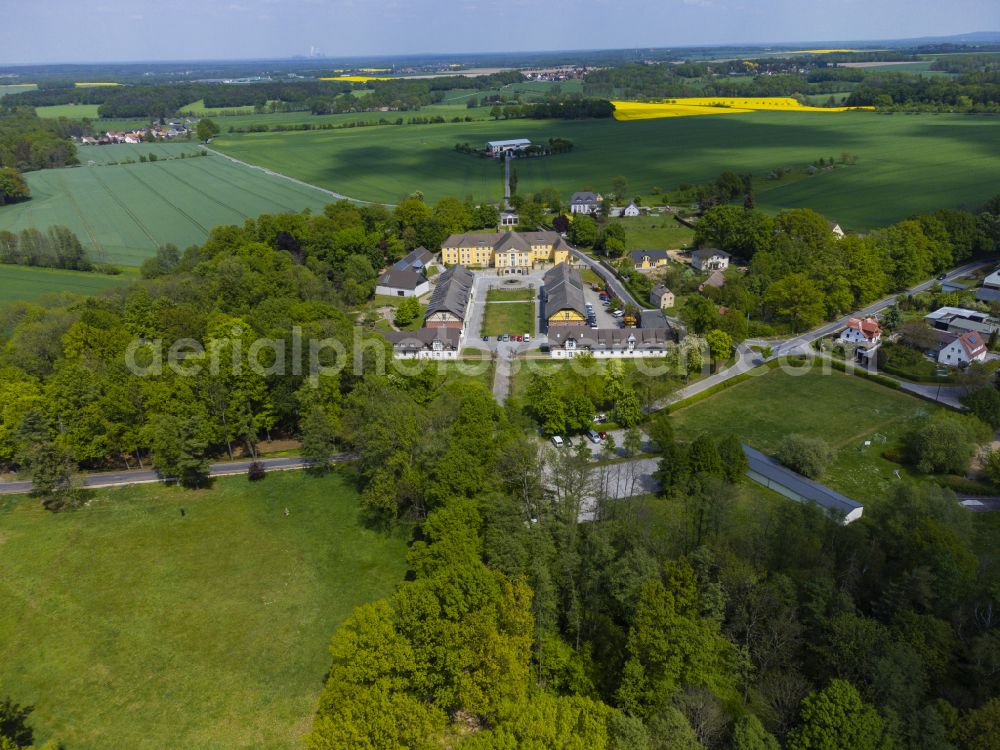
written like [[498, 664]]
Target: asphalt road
[[124, 478]]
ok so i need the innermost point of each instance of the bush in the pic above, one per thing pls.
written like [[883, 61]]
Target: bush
[[809, 456], [944, 444], [256, 472]]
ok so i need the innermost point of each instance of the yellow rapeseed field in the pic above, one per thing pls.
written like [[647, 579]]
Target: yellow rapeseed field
[[357, 79], [828, 51], [718, 105], [84, 85]]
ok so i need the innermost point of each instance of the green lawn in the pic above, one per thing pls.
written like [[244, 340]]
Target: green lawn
[[69, 111], [20, 283], [645, 376], [511, 295], [905, 163], [515, 318], [16, 88], [842, 409], [655, 232], [123, 213], [127, 625]]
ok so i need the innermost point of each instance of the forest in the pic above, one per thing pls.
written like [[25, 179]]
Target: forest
[[702, 618], [27, 142]]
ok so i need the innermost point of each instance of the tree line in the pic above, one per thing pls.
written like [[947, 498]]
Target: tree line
[[57, 248]]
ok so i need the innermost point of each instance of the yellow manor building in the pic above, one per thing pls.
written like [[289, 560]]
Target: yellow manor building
[[512, 252]]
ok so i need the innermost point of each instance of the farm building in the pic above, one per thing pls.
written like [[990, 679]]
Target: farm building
[[772, 474], [496, 148], [407, 277], [449, 305], [427, 343], [710, 259], [585, 203], [958, 320], [648, 260], [562, 291], [662, 297], [629, 211], [512, 252], [568, 341]]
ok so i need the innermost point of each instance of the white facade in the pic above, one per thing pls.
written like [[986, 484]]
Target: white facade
[[502, 147], [959, 353], [391, 291], [710, 260]]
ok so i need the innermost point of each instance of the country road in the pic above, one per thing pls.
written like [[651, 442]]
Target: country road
[[139, 476]]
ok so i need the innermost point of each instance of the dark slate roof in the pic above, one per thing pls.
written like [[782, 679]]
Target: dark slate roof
[[704, 253], [984, 294], [414, 341], [638, 255], [612, 338], [406, 277], [452, 292], [584, 197], [775, 471], [652, 319], [503, 241], [563, 290]]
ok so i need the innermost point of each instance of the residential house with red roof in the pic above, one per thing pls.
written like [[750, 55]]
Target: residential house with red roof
[[963, 349], [866, 331]]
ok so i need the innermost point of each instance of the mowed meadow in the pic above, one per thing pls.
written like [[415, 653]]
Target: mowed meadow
[[123, 212], [905, 163], [129, 625]]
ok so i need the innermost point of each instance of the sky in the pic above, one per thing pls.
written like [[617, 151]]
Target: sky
[[35, 31]]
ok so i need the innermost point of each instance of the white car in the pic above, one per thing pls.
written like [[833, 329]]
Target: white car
[[527, 337], [557, 441]]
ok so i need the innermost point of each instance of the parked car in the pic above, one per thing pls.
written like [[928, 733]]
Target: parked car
[[527, 337], [600, 418], [603, 435], [505, 337], [486, 338], [557, 441], [619, 313], [520, 338], [568, 441], [594, 436]]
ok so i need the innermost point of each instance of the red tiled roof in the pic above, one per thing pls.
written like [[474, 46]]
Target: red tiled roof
[[973, 343], [869, 327]]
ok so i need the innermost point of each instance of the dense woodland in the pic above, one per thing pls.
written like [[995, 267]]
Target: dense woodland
[[699, 619], [28, 142]]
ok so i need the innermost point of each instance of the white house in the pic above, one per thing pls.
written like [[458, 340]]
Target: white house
[[607, 343], [969, 347], [508, 220], [496, 148], [585, 203], [631, 210], [865, 331], [427, 343], [710, 259], [836, 230]]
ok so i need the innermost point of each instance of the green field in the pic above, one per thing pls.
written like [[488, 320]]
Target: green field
[[123, 213], [905, 163], [843, 409], [128, 626], [15, 89], [655, 232], [19, 283], [515, 318], [119, 153], [69, 111]]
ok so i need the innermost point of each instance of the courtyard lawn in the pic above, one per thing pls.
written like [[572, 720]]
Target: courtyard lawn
[[127, 624], [844, 410], [905, 163], [511, 295], [20, 283], [647, 376], [515, 318]]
